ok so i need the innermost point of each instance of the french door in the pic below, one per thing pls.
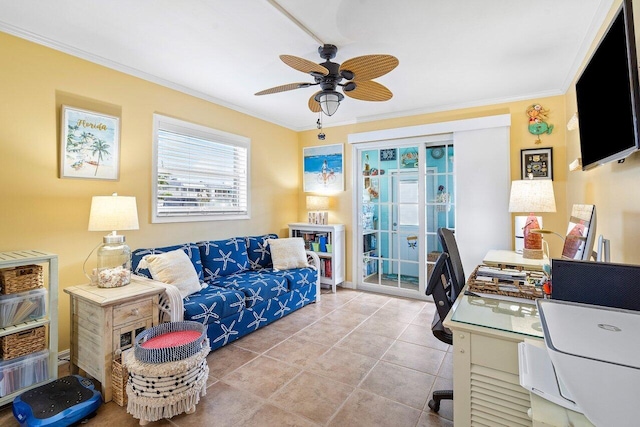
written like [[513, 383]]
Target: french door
[[405, 191]]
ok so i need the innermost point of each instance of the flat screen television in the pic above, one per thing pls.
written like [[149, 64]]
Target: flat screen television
[[608, 95]]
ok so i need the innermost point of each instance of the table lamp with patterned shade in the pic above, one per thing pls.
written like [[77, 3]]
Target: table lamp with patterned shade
[[318, 205], [532, 195]]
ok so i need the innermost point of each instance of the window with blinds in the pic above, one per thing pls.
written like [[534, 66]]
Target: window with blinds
[[199, 174]]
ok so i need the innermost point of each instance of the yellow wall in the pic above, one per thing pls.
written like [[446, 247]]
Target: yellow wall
[[40, 211], [613, 187], [341, 205]]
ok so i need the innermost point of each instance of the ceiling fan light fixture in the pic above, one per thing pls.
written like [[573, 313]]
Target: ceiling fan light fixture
[[329, 102]]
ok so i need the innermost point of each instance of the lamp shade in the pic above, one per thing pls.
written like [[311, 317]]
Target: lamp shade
[[317, 203], [329, 102], [113, 213], [532, 195]]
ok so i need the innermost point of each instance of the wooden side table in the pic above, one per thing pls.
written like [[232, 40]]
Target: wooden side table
[[106, 320]]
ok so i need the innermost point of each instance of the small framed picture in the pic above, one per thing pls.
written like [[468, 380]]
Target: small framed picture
[[537, 163], [388, 154], [90, 145]]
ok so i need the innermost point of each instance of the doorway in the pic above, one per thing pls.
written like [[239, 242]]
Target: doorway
[[404, 193]]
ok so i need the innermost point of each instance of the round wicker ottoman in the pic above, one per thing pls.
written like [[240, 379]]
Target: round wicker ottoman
[[167, 371]]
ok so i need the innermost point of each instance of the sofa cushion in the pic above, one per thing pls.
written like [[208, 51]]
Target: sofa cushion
[[191, 249], [212, 304], [288, 253], [174, 267], [297, 277], [258, 251], [223, 257], [256, 286]]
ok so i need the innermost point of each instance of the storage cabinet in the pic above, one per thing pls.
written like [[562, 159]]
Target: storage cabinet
[[105, 321], [328, 242], [25, 372]]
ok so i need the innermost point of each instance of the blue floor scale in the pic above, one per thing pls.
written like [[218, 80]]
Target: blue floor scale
[[60, 403]]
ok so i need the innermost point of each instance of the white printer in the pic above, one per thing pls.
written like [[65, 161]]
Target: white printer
[[591, 363]]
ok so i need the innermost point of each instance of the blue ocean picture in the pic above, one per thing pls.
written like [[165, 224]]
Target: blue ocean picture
[[323, 169]]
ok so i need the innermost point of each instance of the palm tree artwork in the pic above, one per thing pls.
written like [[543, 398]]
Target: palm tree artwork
[[101, 149], [91, 144]]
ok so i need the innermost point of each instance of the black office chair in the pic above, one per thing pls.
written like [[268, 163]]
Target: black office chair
[[445, 284], [449, 245]]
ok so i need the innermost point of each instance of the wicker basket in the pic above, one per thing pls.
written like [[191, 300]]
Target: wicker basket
[[169, 354], [119, 377], [20, 279], [22, 343], [511, 288]]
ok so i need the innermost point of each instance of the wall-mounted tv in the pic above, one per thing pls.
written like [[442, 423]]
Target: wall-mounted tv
[[608, 95]]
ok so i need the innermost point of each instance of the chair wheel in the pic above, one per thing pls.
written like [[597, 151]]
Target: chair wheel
[[434, 405]]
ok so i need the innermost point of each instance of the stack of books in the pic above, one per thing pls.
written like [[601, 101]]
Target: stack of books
[[506, 281]]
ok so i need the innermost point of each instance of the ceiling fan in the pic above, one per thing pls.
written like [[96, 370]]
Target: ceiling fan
[[358, 72]]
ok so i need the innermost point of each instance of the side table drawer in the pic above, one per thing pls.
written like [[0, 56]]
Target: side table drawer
[[132, 312]]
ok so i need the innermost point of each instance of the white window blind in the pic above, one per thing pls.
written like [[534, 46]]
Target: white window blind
[[200, 173]]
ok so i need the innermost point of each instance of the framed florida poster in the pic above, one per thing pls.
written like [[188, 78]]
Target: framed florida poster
[[323, 168], [90, 145]]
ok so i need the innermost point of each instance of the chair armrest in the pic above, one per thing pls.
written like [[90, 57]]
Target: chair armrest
[[314, 261]]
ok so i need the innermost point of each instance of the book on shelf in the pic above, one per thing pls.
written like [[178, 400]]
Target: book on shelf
[[327, 268]]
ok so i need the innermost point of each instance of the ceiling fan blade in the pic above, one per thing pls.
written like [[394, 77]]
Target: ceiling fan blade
[[369, 91], [369, 67], [284, 88], [314, 105], [304, 65]]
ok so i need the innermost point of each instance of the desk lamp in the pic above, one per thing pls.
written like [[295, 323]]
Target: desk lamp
[[532, 195], [112, 213]]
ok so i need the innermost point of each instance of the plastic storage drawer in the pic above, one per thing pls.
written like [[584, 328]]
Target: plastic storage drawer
[[22, 307], [24, 371]]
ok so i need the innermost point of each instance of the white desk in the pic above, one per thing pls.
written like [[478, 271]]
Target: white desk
[[486, 375], [504, 258]]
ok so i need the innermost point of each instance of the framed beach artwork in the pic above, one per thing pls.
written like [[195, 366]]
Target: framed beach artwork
[[323, 168], [90, 145]]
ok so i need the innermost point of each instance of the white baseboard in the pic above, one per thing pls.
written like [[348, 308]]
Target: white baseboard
[[348, 285], [64, 356]]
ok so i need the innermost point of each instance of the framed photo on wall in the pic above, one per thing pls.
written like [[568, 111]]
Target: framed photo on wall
[[323, 168], [90, 145], [538, 162]]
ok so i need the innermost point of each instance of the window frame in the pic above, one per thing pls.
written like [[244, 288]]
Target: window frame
[[165, 123]]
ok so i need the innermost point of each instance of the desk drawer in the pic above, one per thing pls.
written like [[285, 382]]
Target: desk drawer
[[495, 353], [132, 312]]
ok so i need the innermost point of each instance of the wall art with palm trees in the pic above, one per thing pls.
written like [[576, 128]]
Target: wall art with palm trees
[[90, 144]]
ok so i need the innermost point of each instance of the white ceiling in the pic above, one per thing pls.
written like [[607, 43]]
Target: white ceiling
[[453, 53]]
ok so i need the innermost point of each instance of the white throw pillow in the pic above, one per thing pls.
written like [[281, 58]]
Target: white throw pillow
[[288, 253], [174, 268]]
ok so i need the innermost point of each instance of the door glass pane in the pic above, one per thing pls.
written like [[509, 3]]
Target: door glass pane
[[409, 278], [440, 198]]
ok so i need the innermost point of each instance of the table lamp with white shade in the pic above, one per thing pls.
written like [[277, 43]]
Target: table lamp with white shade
[[113, 213], [532, 195]]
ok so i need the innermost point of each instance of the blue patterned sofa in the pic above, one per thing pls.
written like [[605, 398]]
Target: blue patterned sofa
[[240, 291]]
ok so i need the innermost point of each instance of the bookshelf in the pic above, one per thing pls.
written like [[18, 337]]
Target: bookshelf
[[327, 241]]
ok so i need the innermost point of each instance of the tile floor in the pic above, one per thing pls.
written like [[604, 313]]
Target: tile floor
[[354, 359]]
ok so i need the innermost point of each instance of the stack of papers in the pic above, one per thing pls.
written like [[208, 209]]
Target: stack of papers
[[486, 273]]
